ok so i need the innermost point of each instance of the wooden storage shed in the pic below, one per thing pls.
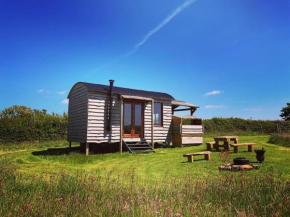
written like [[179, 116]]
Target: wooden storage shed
[[105, 114], [191, 133]]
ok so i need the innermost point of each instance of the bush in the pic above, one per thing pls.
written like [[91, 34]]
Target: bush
[[283, 140], [222, 125], [21, 123]]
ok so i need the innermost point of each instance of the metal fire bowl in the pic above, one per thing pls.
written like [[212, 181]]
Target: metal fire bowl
[[241, 161]]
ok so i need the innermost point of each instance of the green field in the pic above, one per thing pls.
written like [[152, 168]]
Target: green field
[[36, 182]]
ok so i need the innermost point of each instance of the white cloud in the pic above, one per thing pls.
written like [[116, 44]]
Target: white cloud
[[65, 101], [43, 91], [163, 23], [61, 92], [214, 106], [253, 109], [215, 92], [256, 110]]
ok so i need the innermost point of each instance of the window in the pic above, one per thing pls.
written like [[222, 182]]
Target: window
[[158, 114]]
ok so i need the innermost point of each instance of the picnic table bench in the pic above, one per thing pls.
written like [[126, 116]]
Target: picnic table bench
[[190, 155], [236, 146], [226, 140], [210, 145]]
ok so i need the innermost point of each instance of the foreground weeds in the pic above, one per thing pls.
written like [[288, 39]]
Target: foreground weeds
[[94, 194]]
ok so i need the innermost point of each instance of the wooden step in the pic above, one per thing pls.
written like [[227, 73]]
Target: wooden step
[[134, 147]]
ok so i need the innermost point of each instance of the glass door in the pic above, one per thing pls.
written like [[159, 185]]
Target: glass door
[[133, 119]]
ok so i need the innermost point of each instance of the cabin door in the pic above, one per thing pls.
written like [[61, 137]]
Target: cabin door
[[133, 119]]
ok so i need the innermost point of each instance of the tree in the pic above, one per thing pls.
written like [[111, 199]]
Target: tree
[[285, 112]]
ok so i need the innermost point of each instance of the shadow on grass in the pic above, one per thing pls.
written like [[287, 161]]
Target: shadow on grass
[[57, 151], [183, 162]]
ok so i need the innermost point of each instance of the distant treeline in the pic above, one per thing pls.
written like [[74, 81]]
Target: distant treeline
[[21, 123], [224, 125]]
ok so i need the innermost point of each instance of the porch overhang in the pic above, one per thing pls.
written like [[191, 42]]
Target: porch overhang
[[132, 97], [175, 103], [187, 117]]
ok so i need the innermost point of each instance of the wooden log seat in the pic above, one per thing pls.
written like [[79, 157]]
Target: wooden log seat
[[190, 155], [210, 145], [250, 146]]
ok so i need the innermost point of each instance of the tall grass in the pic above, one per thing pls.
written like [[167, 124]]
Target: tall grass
[[95, 194], [280, 139]]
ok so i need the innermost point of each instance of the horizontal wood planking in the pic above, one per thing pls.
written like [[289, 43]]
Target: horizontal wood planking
[[77, 114], [191, 131], [98, 112], [192, 140], [191, 135], [161, 134]]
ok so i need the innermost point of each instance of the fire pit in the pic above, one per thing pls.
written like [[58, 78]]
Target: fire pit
[[239, 164], [241, 161]]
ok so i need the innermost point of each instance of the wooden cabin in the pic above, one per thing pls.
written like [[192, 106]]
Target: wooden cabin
[[105, 114]]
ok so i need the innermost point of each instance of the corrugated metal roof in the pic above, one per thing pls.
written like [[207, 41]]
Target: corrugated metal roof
[[127, 91], [136, 97]]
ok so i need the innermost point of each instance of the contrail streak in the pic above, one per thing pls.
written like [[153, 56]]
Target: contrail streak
[[163, 23], [146, 37]]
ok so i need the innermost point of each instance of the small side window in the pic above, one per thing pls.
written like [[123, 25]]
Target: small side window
[[158, 114]]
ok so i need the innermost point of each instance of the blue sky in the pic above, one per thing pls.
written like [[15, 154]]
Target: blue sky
[[230, 57]]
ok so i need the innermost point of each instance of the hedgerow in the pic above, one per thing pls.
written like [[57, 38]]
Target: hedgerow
[[21, 123], [223, 125]]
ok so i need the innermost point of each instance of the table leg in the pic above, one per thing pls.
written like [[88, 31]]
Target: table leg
[[190, 159], [227, 145], [250, 148], [216, 145], [207, 156], [208, 146]]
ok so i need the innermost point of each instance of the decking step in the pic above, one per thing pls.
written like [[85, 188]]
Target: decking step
[[141, 146], [144, 151]]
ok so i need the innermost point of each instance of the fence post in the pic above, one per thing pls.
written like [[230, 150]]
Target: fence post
[[277, 128]]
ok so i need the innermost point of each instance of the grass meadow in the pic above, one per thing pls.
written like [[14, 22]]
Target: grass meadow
[[36, 182]]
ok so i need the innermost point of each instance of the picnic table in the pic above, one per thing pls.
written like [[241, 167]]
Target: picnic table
[[226, 141]]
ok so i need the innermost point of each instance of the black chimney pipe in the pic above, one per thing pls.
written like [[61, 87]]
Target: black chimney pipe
[[109, 128]]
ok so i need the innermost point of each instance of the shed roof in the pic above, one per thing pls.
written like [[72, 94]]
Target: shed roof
[[125, 91], [186, 117], [183, 103]]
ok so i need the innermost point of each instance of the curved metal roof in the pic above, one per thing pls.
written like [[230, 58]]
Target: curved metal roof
[[125, 91]]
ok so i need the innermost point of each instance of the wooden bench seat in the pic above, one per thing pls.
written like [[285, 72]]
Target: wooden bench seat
[[190, 155], [250, 146], [210, 145]]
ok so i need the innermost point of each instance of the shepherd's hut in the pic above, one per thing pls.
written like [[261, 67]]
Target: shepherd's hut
[[103, 115]]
